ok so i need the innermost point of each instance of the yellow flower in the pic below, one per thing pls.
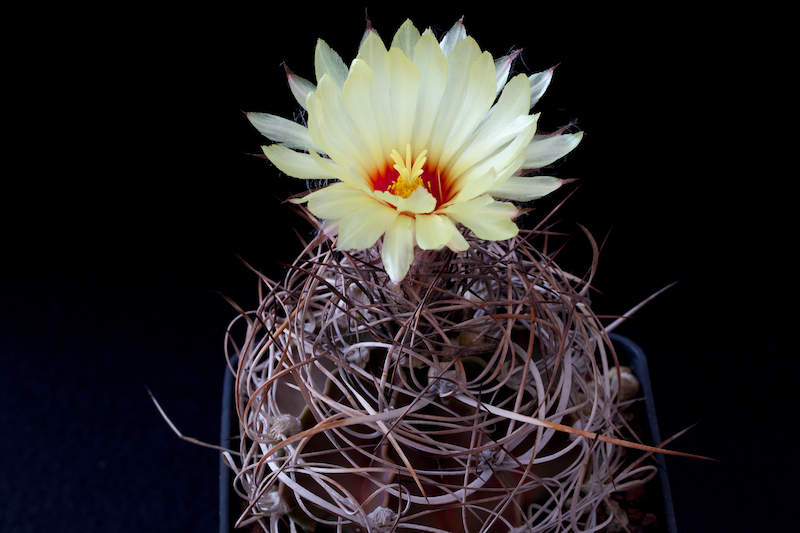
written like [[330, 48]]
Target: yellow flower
[[419, 141]]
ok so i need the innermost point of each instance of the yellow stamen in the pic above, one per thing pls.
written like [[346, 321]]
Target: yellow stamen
[[409, 176]]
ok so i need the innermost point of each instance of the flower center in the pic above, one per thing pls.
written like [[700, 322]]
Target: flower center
[[409, 176]]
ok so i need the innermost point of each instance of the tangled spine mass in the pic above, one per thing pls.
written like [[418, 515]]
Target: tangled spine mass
[[369, 406]]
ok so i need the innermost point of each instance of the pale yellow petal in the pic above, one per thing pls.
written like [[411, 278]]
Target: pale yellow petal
[[470, 92], [502, 68], [283, 131], [387, 197], [539, 83], [487, 218], [373, 52], [420, 201], [522, 189], [330, 228], [433, 69], [437, 231], [514, 102], [453, 37], [362, 228], [398, 248], [315, 108], [494, 170], [504, 160], [336, 172], [344, 144], [403, 78], [337, 201], [457, 242], [295, 164], [451, 107], [299, 86], [367, 32], [327, 61], [543, 151], [356, 95], [406, 39], [509, 118]]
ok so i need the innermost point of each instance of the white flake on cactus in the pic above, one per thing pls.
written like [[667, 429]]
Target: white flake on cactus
[[283, 427], [383, 518]]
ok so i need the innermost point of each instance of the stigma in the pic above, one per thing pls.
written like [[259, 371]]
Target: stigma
[[409, 173]]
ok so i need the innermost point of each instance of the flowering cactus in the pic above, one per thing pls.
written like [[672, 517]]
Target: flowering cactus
[[431, 369]]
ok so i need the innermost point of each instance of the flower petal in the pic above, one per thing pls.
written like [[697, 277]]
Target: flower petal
[[283, 131], [295, 164], [520, 189], [333, 129], [299, 86], [356, 92], [508, 119], [504, 162], [544, 150], [327, 61], [453, 36], [436, 231], [476, 185], [433, 70], [336, 172], [406, 39], [330, 228], [398, 248], [373, 52], [419, 201], [403, 78], [539, 83], [457, 242], [362, 228], [337, 201], [502, 66], [487, 218], [470, 92], [494, 170]]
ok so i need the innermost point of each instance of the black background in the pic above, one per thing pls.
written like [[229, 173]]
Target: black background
[[132, 193]]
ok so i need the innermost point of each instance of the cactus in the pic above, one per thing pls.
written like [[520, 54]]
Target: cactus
[[370, 406], [425, 364]]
